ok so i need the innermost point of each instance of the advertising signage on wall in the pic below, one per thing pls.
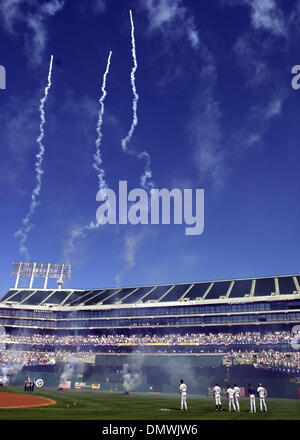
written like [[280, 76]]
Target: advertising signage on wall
[[86, 386]]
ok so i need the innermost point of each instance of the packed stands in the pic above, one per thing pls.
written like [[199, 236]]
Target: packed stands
[[31, 358], [221, 339]]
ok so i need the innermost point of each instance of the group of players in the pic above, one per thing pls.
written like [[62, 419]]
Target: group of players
[[233, 396], [29, 384]]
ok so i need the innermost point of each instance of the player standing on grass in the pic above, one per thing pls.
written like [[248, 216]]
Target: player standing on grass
[[230, 396], [237, 391], [261, 394], [182, 391], [217, 395], [251, 395]]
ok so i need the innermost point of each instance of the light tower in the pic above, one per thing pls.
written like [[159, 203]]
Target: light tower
[[41, 270]]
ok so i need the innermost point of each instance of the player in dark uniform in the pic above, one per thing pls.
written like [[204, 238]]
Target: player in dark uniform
[[251, 395]]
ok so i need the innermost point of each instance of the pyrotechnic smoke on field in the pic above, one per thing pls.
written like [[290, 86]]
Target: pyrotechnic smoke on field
[[132, 374], [71, 366], [27, 224], [68, 369], [12, 367]]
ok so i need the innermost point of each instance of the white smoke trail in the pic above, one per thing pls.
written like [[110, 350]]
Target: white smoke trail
[[97, 156], [131, 242], [147, 173], [27, 221], [81, 231], [127, 139]]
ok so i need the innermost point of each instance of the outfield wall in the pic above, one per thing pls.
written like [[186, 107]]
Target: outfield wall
[[162, 373]]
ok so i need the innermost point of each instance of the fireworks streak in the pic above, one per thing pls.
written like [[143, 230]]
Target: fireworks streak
[[130, 242], [27, 224], [81, 231], [144, 155], [145, 179], [127, 139], [97, 156]]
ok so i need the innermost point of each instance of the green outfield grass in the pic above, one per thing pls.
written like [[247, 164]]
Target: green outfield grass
[[97, 405]]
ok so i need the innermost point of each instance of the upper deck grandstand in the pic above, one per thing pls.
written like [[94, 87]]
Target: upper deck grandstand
[[253, 301]]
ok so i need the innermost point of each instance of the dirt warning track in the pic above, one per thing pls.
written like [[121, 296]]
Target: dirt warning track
[[13, 400]]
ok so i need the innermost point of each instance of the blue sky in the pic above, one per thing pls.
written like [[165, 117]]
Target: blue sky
[[216, 110]]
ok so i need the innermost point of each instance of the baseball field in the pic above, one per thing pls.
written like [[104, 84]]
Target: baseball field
[[97, 405]]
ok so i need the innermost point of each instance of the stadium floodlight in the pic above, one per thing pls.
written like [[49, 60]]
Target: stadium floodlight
[[41, 270]]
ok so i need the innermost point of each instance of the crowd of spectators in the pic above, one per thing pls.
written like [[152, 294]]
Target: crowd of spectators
[[258, 347], [222, 339], [264, 359], [27, 358], [277, 359]]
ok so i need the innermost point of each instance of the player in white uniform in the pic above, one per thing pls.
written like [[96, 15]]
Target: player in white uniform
[[261, 393], [230, 396], [217, 395], [237, 392], [182, 391]]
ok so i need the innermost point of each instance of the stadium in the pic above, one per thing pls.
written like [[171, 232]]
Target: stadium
[[152, 146], [143, 339]]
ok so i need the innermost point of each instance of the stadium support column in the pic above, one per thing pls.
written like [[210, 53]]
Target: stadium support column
[[18, 277], [47, 276], [60, 281], [277, 286], [252, 288], [296, 284], [32, 276]]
